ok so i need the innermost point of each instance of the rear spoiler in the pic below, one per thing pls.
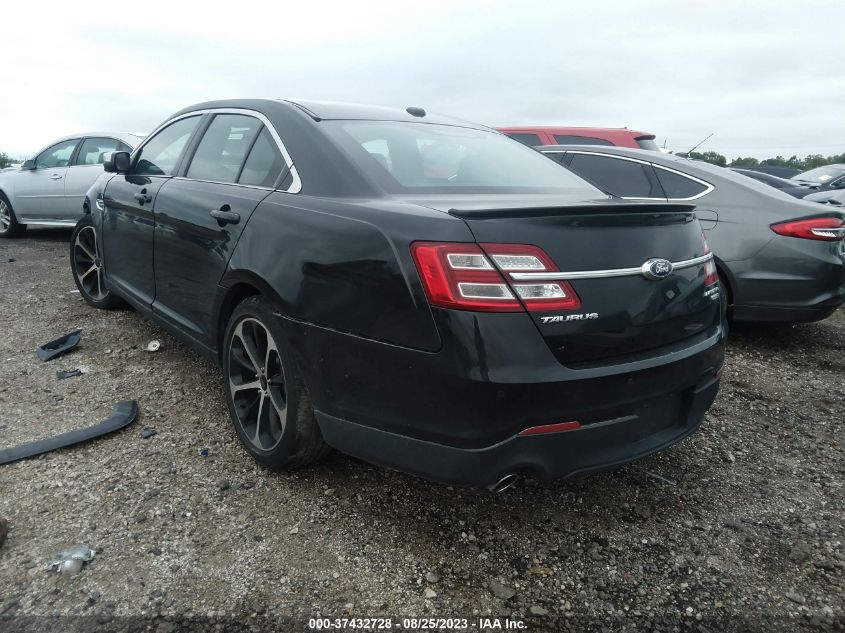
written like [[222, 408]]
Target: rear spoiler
[[605, 208]]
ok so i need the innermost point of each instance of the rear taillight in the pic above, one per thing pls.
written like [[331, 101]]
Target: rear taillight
[[467, 276], [711, 275], [825, 229]]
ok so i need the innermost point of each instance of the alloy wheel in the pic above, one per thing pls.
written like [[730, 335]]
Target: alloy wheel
[[87, 263], [5, 217], [256, 381]]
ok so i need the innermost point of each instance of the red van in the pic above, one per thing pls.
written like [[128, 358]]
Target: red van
[[620, 137]]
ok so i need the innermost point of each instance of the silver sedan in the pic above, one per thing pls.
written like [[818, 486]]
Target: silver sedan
[[48, 190]]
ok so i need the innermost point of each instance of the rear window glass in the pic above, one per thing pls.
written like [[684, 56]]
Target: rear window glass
[[648, 143], [422, 157], [821, 174], [623, 178], [264, 164], [562, 139], [677, 186], [531, 140]]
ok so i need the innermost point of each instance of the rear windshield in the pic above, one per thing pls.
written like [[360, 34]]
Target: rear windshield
[[404, 157], [820, 174], [647, 142]]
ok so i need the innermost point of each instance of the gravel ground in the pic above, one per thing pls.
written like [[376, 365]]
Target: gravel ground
[[739, 528]]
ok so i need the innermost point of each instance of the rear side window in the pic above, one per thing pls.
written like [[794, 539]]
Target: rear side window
[[264, 163], [532, 140], [677, 186], [224, 147], [163, 151], [563, 139], [623, 178], [93, 149]]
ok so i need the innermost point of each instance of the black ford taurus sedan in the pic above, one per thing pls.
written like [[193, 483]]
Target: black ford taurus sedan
[[780, 259], [415, 290]]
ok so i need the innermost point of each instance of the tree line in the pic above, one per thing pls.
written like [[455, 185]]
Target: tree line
[[809, 162]]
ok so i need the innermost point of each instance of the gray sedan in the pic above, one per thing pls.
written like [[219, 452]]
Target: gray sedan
[[48, 190], [780, 259]]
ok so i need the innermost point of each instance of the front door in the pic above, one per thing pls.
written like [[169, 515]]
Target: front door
[[200, 217], [40, 192], [128, 225]]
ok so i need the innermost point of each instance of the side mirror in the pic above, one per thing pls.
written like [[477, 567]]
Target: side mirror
[[28, 165], [116, 162]]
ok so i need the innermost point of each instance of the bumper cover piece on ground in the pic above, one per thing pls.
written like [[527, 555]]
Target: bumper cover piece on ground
[[123, 414], [60, 346]]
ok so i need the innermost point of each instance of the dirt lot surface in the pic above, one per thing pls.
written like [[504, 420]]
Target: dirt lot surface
[[739, 528]]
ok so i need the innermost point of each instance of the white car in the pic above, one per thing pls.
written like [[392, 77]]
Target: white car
[[49, 190]]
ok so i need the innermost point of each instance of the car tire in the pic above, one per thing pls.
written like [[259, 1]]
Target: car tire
[[9, 225], [267, 399], [87, 267]]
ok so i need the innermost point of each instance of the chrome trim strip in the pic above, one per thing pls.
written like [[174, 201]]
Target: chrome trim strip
[[296, 183], [603, 274], [706, 184], [52, 222]]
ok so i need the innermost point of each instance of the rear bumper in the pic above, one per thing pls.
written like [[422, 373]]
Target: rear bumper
[[774, 314], [455, 415], [790, 281], [649, 428]]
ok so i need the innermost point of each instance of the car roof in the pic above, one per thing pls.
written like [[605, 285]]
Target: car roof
[[698, 168], [643, 154], [585, 131], [128, 137], [334, 110]]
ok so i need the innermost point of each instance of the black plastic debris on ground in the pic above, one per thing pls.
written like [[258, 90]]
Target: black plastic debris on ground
[[60, 346], [68, 373], [123, 414]]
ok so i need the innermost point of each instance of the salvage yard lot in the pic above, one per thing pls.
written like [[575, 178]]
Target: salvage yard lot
[[739, 528]]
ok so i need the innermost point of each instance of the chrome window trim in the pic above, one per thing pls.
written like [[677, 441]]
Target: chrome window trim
[[603, 274], [219, 182], [707, 185], [296, 183]]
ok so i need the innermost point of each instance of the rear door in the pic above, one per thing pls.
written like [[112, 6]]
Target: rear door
[[40, 192], [128, 225], [201, 214]]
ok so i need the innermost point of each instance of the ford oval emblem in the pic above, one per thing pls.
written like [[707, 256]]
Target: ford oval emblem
[[656, 268]]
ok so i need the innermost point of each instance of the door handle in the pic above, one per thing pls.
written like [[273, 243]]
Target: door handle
[[56, 177], [223, 215], [143, 197]]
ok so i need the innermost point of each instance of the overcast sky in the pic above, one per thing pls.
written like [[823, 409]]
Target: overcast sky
[[766, 77]]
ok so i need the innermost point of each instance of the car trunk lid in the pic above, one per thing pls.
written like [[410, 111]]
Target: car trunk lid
[[601, 248]]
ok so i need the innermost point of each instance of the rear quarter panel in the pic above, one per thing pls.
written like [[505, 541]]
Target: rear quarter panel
[[345, 266]]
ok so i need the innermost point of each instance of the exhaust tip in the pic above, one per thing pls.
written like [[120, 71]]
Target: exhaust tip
[[504, 483]]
